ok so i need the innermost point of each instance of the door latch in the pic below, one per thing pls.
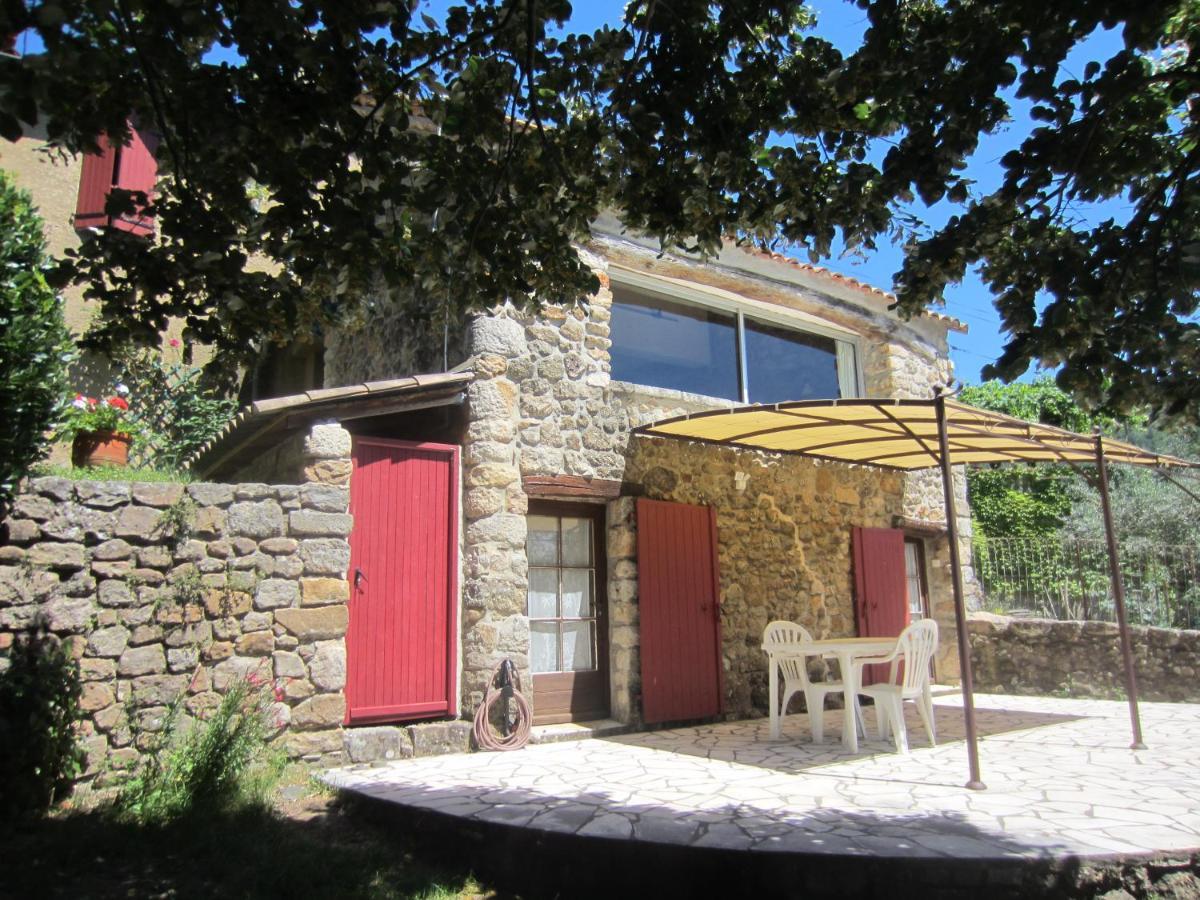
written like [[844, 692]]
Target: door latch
[[359, 577]]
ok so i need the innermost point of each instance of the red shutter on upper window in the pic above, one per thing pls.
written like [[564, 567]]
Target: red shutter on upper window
[[137, 170], [132, 168], [99, 172]]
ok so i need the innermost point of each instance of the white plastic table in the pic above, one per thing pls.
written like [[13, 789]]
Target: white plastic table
[[845, 651]]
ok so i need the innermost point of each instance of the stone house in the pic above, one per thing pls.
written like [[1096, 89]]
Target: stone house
[[505, 509], [496, 506]]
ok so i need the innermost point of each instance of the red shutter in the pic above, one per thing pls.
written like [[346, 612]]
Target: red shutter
[[880, 588], [137, 170], [679, 611], [99, 172], [131, 168]]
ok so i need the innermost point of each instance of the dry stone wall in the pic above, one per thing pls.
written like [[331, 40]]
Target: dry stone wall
[[1081, 659], [168, 592]]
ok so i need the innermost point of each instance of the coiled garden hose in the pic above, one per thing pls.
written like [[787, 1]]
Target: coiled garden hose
[[505, 684]]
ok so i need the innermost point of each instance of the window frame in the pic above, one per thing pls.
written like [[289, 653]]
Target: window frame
[[847, 343]]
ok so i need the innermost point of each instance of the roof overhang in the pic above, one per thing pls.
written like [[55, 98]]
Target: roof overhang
[[264, 423]]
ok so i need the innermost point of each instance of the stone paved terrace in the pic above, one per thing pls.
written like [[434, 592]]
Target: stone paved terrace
[[1062, 785]]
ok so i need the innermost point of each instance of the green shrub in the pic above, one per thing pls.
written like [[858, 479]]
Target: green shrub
[[207, 768], [35, 346], [177, 413], [39, 705]]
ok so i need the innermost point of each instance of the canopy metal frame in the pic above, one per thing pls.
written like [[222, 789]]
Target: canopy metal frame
[[940, 433]]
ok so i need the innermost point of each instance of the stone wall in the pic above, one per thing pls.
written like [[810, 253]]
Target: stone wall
[[1081, 659], [166, 591]]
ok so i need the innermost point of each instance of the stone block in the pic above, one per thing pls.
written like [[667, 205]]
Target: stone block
[[108, 642], [240, 668], [218, 650], [209, 523], [327, 441], [307, 523], [258, 643], [377, 744], [56, 556], [22, 531], [256, 519], [226, 603], [193, 634], [313, 744], [158, 690], [182, 659], [257, 621], [277, 546], [274, 593], [438, 738], [315, 623], [112, 550], [95, 695], [154, 557], [92, 669], [149, 660], [60, 489], [298, 689], [324, 498], [491, 335], [288, 665], [141, 523], [320, 711], [65, 615], [30, 506], [211, 494], [327, 668], [329, 471], [118, 569], [325, 556], [102, 494], [158, 494], [323, 591], [251, 491]]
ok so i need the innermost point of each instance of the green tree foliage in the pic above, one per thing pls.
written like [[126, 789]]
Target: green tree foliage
[[35, 346], [458, 158], [39, 706], [1024, 501]]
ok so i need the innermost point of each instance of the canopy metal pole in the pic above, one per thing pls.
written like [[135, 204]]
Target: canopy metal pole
[[1118, 586], [960, 610]]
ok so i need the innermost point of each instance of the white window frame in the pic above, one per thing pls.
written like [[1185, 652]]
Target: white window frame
[[847, 342]]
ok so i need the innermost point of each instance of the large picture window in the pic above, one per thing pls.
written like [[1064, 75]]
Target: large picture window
[[667, 343]]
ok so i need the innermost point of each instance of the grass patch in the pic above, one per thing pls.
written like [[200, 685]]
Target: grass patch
[[112, 473], [297, 844]]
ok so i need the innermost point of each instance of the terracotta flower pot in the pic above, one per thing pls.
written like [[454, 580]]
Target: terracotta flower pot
[[100, 448]]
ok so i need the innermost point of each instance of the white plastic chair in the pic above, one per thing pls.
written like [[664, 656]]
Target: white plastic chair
[[794, 673], [915, 647]]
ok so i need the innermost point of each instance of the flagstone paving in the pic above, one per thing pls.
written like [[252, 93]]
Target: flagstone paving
[[1061, 780]]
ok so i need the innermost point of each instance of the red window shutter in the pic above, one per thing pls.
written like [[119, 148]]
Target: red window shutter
[[99, 172], [880, 587], [131, 168], [679, 611], [137, 170]]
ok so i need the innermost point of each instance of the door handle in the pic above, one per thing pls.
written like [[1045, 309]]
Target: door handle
[[359, 577]]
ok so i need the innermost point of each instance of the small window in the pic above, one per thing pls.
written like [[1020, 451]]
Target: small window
[[561, 602], [914, 576]]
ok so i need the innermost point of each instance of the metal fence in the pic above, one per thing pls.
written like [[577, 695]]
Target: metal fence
[[1069, 580]]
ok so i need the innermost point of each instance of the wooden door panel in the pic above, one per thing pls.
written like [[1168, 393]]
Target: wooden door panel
[[400, 659], [678, 604], [880, 587]]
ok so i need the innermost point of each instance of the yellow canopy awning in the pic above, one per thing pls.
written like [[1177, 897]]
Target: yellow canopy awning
[[897, 434]]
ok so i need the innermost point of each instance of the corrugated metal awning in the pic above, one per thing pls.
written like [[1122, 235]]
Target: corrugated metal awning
[[897, 434]]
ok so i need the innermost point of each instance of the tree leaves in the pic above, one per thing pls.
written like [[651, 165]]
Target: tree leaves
[[462, 158]]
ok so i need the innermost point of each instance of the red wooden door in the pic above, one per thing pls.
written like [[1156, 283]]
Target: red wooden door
[[679, 611], [880, 587], [400, 660]]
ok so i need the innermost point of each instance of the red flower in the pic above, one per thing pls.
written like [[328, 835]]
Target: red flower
[[174, 342], [118, 403]]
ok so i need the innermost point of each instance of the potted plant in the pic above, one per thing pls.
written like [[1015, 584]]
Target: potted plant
[[103, 429]]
